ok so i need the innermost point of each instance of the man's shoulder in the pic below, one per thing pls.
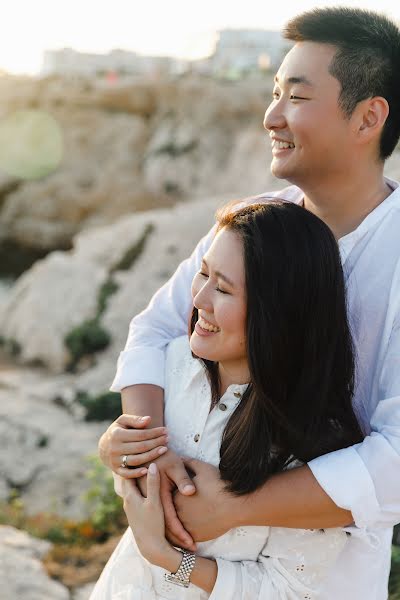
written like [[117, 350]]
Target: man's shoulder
[[291, 193]]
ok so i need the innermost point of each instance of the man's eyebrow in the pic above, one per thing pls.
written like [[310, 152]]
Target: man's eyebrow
[[220, 275], [296, 79]]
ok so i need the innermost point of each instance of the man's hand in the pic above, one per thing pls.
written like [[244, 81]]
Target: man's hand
[[128, 436], [210, 512]]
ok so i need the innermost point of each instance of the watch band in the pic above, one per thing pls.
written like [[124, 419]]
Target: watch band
[[182, 575]]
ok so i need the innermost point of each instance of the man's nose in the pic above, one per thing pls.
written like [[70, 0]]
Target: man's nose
[[274, 117]]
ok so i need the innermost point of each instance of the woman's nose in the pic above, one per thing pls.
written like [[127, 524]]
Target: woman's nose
[[202, 299]]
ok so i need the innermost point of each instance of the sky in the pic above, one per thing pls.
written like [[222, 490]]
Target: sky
[[182, 28]]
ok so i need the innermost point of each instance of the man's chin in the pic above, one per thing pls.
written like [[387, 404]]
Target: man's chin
[[280, 172]]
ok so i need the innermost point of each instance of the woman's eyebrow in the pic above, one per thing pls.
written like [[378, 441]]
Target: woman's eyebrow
[[220, 275]]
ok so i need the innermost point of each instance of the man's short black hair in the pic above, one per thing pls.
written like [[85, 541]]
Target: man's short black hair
[[367, 62]]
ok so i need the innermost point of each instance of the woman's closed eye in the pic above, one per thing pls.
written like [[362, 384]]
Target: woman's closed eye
[[218, 289]]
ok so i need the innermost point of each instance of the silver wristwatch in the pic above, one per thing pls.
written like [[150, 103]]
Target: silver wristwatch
[[181, 577]]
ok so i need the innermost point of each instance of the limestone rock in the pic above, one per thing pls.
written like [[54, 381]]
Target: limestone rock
[[22, 574], [132, 146], [43, 452], [46, 302], [61, 291], [83, 592]]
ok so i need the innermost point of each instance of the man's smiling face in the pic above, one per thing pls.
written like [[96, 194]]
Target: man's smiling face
[[311, 137]]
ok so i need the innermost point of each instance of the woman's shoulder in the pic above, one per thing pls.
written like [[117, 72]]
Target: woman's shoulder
[[178, 348]]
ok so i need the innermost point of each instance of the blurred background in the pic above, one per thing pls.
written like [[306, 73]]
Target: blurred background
[[123, 126]]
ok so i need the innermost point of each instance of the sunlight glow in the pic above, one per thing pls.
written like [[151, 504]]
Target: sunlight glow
[[179, 28]]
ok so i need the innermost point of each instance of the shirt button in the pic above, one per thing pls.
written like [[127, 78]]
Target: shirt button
[[222, 406], [196, 437], [237, 394]]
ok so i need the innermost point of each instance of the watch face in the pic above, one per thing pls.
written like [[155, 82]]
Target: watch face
[[181, 577], [173, 579]]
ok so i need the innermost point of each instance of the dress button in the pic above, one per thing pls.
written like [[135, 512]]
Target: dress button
[[222, 406], [196, 437], [237, 394]]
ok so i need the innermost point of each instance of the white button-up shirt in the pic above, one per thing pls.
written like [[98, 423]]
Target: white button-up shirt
[[364, 478], [274, 563]]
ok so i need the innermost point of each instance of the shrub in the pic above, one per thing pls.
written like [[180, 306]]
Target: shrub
[[394, 581], [104, 505], [87, 338], [134, 251], [107, 289], [104, 407]]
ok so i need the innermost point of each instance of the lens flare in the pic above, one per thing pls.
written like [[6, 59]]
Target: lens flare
[[31, 144]]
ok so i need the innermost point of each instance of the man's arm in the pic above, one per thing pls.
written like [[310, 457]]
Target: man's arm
[[365, 478], [295, 499], [164, 319], [140, 369], [359, 484], [292, 498]]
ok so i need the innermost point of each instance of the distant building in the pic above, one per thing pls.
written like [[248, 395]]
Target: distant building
[[70, 62], [237, 51], [248, 49]]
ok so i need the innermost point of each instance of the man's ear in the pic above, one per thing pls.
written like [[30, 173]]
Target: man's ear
[[371, 117]]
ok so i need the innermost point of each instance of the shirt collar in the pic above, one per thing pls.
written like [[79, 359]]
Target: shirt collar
[[348, 241], [197, 373]]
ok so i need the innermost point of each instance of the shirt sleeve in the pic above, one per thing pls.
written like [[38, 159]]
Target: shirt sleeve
[[293, 564], [165, 318], [365, 478]]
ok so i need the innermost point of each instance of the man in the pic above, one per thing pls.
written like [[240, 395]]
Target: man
[[333, 120]]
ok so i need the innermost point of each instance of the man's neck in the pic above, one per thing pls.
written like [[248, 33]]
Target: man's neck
[[344, 205]]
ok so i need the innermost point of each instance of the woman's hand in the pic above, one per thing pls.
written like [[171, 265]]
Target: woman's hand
[[173, 476], [128, 436], [146, 519]]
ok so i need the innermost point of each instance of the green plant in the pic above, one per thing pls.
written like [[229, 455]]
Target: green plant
[[107, 289], [104, 505], [134, 251], [104, 407], [12, 346], [87, 338], [394, 581]]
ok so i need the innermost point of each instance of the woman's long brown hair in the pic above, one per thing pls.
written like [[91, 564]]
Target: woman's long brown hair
[[298, 404]]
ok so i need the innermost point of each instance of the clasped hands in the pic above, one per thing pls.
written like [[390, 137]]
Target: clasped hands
[[196, 506]]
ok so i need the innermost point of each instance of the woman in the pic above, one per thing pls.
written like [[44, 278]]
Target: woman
[[264, 383]]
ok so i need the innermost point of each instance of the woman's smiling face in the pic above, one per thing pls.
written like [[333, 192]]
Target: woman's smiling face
[[218, 292]]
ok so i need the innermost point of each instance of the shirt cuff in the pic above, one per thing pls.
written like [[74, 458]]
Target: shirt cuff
[[345, 478], [139, 365], [225, 584]]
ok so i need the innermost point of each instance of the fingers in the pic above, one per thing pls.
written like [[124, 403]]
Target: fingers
[[131, 473], [121, 434], [133, 421], [138, 453], [178, 474], [130, 491], [141, 447], [172, 523], [192, 463], [135, 460], [153, 484]]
